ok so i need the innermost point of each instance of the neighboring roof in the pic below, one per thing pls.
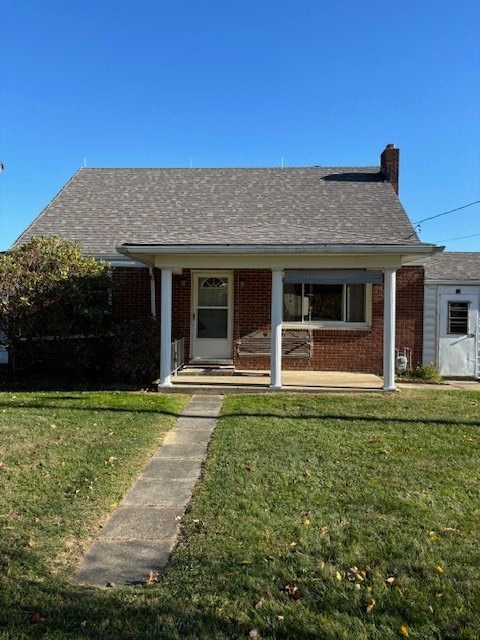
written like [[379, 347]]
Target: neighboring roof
[[455, 266], [105, 208]]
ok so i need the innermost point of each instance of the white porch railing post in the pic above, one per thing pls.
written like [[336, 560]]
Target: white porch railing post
[[276, 331], [166, 329], [389, 288]]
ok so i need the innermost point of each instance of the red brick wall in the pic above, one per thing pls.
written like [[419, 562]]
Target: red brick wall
[[409, 326], [334, 349], [337, 349]]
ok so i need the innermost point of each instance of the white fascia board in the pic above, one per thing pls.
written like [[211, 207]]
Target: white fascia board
[[277, 256], [415, 251], [116, 260], [453, 283]]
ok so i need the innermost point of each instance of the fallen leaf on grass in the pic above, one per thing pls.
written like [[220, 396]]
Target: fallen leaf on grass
[[152, 578], [404, 631], [292, 592], [112, 459], [389, 581], [370, 604], [354, 574], [254, 633], [37, 617], [439, 569], [338, 576], [2, 465]]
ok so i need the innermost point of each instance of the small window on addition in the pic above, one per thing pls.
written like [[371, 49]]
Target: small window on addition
[[458, 317]]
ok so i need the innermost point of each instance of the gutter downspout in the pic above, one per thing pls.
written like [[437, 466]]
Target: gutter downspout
[[153, 307]]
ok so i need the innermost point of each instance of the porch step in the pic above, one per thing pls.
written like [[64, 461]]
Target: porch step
[[205, 367]]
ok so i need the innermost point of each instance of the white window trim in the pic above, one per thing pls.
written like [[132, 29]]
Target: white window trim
[[336, 324]]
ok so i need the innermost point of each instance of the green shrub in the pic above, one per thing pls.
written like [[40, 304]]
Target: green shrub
[[425, 372], [136, 349]]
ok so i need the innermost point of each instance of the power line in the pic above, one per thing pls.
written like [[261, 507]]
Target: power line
[[444, 213], [474, 235]]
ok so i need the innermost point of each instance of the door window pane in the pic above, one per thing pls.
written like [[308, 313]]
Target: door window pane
[[212, 323], [212, 292], [458, 317]]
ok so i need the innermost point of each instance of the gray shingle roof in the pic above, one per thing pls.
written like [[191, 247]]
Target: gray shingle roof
[[457, 266], [105, 208]]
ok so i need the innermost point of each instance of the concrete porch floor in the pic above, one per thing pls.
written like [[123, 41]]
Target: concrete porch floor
[[259, 381]]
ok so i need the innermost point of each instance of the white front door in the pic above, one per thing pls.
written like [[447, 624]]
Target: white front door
[[458, 335], [211, 326]]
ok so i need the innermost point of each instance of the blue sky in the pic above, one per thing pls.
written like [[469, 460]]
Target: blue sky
[[214, 83]]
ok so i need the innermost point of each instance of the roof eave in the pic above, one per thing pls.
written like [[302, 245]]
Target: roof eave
[[453, 282], [257, 253], [395, 249]]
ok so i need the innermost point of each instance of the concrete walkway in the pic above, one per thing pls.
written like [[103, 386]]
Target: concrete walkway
[[139, 537]]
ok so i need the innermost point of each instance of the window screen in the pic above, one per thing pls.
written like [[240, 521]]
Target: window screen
[[458, 317]]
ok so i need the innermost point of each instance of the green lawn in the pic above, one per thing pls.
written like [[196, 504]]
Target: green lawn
[[348, 517]]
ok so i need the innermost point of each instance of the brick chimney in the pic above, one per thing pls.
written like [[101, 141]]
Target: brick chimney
[[389, 161]]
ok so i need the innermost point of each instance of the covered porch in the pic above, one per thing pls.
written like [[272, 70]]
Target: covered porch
[[361, 264]]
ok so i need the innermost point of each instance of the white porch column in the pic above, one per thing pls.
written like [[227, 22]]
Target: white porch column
[[166, 329], [276, 322], [389, 330]]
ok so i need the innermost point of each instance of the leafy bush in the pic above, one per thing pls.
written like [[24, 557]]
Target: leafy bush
[[50, 294], [136, 350], [425, 372]]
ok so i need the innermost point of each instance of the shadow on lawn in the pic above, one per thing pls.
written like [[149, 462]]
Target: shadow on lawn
[[358, 418], [122, 614], [52, 608], [55, 403], [51, 403]]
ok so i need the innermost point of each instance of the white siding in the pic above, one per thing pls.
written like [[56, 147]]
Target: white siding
[[478, 345], [430, 325]]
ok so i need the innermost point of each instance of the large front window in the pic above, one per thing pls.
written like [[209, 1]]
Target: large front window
[[332, 304]]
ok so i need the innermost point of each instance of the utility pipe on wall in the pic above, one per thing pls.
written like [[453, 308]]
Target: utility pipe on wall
[[153, 306]]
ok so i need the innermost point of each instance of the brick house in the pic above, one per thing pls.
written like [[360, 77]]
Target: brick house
[[293, 268]]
